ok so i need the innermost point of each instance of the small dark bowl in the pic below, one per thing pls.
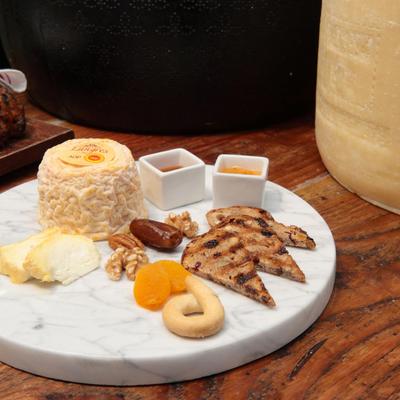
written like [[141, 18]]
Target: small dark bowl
[[163, 65]]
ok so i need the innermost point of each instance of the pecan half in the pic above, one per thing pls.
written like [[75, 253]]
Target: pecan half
[[127, 241]]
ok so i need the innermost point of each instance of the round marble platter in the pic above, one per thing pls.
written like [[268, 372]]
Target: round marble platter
[[91, 331]]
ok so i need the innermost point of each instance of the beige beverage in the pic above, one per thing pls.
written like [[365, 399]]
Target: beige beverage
[[358, 97]]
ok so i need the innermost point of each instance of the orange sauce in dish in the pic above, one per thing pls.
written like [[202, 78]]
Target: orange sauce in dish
[[170, 168], [239, 170]]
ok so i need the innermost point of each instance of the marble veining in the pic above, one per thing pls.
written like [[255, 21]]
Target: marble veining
[[93, 332]]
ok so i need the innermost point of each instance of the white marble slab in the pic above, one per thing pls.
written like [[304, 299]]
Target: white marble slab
[[93, 332]]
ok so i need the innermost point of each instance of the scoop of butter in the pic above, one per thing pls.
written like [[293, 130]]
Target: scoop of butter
[[63, 258]]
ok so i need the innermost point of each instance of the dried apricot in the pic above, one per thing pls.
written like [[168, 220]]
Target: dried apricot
[[152, 287], [176, 273]]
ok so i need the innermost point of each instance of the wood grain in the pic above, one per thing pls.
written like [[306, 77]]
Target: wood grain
[[39, 136], [351, 352]]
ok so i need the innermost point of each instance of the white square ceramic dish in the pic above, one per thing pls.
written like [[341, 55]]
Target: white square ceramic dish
[[175, 188], [231, 189]]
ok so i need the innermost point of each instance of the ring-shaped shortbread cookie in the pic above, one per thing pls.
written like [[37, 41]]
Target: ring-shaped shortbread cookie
[[176, 312]]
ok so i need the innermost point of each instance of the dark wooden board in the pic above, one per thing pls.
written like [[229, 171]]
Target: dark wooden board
[[39, 136]]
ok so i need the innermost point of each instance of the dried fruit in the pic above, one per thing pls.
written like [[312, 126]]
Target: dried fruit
[[152, 287], [176, 274], [125, 240], [156, 234]]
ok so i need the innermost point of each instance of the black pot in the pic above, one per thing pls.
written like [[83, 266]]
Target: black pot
[[165, 65], [3, 60]]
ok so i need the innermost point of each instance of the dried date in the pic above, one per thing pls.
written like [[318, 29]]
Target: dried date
[[156, 234]]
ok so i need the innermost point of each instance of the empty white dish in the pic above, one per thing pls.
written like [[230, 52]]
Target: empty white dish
[[172, 178]]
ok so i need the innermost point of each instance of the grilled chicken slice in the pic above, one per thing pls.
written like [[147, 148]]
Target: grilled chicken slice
[[290, 235], [267, 251], [221, 257]]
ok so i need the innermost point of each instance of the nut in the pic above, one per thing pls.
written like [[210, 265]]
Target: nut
[[184, 223], [114, 265], [134, 259], [129, 260], [156, 234], [125, 240]]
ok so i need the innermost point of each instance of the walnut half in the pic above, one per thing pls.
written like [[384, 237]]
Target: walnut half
[[184, 223], [129, 260]]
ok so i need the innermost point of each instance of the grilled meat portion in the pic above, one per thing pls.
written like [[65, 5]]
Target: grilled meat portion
[[290, 235], [220, 256], [265, 248]]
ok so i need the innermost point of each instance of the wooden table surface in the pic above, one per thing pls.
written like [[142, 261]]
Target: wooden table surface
[[351, 352]]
